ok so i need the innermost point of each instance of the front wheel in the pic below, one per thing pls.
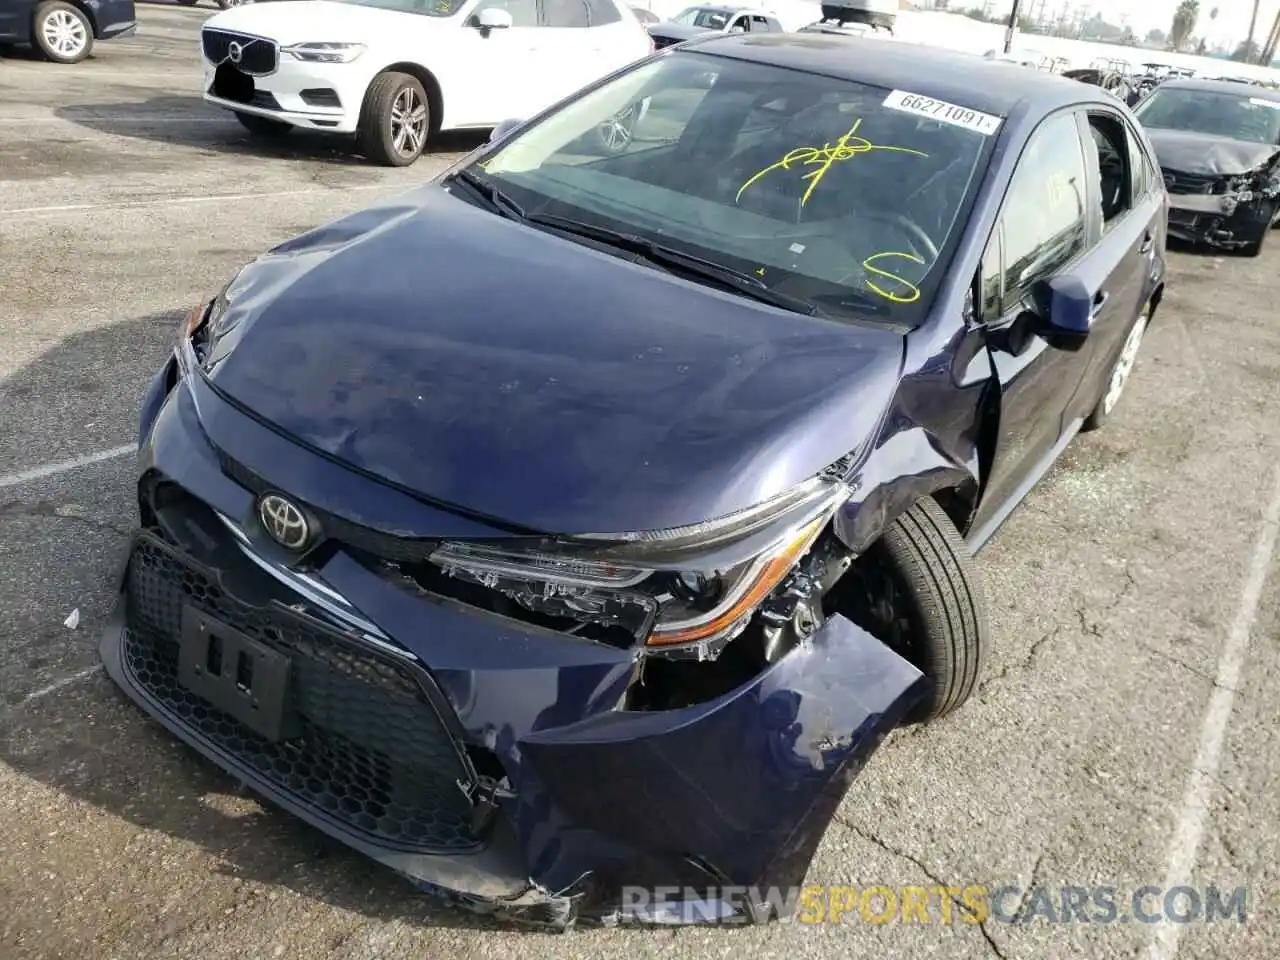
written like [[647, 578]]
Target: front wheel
[[394, 120], [917, 589], [1120, 371], [62, 32], [263, 126]]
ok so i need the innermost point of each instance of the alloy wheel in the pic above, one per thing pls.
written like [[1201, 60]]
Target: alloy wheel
[[408, 122], [65, 33], [1124, 365]]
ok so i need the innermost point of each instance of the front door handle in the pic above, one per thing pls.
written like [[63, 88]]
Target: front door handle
[[1099, 299], [1148, 242]]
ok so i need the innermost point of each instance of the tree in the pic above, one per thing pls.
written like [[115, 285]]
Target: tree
[[1247, 52], [1184, 22], [1156, 36]]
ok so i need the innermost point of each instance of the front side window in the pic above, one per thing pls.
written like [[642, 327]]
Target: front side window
[[427, 8], [1045, 215], [1213, 113], [524, 13], [822, 189], [711, 19]]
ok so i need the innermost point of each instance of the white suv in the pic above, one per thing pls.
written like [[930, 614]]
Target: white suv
[[395, 72]]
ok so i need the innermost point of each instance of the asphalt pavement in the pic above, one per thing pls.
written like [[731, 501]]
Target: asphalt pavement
[[1126, 735]]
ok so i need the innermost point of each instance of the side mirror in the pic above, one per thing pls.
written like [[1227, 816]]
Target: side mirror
[[493, 18], [1066, 312], [502, 129]]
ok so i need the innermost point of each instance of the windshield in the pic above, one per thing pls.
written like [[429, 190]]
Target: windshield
[[1215, 113], [836, 193], [429, 8], [711, 19]]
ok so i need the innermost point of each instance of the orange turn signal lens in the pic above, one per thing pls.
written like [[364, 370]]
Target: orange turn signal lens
[[764, 579]]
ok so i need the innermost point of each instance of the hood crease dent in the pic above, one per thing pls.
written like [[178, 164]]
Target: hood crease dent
[[1200, 154], [524, 377]]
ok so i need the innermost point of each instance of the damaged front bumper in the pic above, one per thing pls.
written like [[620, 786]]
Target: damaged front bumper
[[1220, 220], [490, 761]]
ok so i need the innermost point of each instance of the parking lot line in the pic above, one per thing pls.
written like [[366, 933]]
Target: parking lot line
[[60, 684], [64, 466], [1185, 845], [179, 201]]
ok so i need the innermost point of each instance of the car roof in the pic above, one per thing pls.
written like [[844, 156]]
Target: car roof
[[960, 78], [1223, 86]]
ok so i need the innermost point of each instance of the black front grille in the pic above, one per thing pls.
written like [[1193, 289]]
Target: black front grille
[[369, 749], [257, 56], [1192, 183]]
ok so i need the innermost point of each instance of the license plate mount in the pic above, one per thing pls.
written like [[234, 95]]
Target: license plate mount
[[238, 675]]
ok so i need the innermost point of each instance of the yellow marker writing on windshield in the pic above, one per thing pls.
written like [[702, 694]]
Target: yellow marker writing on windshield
[[910, 292], [821, 158]]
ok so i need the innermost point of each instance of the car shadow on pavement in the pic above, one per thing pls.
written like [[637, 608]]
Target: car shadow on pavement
[[82, 738], [209, 128]]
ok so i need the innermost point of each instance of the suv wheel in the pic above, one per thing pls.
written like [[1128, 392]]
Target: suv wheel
[[394, 121]]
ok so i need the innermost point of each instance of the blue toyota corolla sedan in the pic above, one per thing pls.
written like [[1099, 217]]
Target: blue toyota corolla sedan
[[584, 519]]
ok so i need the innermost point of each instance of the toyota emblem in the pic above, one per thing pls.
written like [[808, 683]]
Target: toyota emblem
[[284, 521], [235, 52]]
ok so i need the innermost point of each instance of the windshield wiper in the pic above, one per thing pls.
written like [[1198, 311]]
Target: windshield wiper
[[492, 193], [677, 262]]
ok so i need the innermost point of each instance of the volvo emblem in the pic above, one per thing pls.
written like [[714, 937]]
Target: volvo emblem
[[284, 521], [235, 52]]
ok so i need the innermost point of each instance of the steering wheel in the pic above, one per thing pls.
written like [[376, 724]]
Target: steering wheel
[[925, 243]]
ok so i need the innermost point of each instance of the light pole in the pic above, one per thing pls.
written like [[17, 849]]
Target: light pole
[[1013, 25]]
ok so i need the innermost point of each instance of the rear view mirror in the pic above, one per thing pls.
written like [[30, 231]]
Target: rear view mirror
[[502, 129], [1066, 312], [493, 18]]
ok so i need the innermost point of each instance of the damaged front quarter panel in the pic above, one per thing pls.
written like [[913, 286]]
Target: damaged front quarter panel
[[741, 787]]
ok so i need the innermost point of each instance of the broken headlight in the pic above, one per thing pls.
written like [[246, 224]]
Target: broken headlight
[[683, 585]]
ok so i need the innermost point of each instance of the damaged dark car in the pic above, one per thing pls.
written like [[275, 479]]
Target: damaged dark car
[[587, 518], [1218, 143]]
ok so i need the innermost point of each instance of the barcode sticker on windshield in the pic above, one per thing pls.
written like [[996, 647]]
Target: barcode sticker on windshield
[[1259, 102], [943, 112]]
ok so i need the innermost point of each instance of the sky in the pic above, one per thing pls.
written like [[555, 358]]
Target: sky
[[1231, 24]]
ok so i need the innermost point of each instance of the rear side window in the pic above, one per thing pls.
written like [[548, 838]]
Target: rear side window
[[1140, 166], [565, 13], [1046, 209], [602, 13], [759, 24]]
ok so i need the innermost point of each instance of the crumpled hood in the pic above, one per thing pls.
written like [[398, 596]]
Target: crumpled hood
[[304, 21], [1184, 152], [488, 365]]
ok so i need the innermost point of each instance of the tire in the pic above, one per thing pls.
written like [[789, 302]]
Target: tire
[[377, 135], [263, 126], [1122, 368], [62, 32], [917, 588]]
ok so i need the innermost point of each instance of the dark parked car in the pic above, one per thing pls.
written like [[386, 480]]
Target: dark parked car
[[586, 518], [1218, 144], [711, 18], [62, 30]]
